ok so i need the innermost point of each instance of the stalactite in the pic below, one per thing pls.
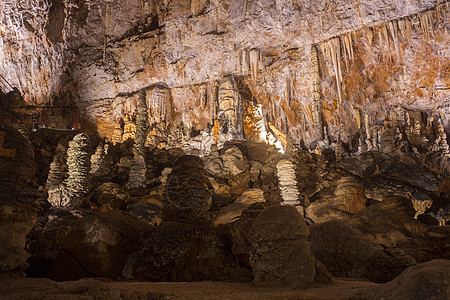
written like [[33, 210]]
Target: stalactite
[[254, 57], [315, 91], [333, 48]]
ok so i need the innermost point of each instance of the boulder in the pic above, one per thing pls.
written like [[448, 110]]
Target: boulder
[[347, 199], [148, 212], [281, 252], [234, 161], [234, 210], [108, 196], [183, 252], [426, 281], [99, 244], [47, 237], [346, 253], [389, 221]]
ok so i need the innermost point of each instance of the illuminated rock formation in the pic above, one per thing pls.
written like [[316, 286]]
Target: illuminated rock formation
[[71, 192], [287, 182]]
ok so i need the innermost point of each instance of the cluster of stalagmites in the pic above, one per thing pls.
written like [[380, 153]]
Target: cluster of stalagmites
[[71, 192], [242, 212]]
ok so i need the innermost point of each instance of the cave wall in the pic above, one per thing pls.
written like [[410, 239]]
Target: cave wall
[[372, 56]]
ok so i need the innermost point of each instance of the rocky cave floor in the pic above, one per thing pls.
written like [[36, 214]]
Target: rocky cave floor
[[366, 226]]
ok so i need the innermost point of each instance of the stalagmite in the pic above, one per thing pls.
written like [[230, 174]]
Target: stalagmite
[[340, 151], [368, 133], [71, 192], [56, 172], [117, 134], [129, 128], [287, 182], [97, 158], [138, 169], [315, 91]]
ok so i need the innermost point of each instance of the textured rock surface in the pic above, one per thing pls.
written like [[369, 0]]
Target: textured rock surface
[[75, 187], [429, 280], [138, 168], [347, 200], [17, 207], [347, 253], [287, 182], [389, 221], [183, 252], [98, 246], [202, 63], [234, 210], [281, 253], [187, 193]]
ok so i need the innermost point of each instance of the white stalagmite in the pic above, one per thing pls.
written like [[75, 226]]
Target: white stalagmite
[[287, 182]]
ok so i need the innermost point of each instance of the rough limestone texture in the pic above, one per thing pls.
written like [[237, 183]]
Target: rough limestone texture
[[346, 253], [183, 252], [138, 168], [56, 172], [100, 244], [429, 280], [187, 193], [347, 200], [389, 221], [74, 188], [17, 207], [287, 182], [281, 252], [234, 210]]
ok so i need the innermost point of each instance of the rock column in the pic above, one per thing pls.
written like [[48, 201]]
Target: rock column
[[287, 182], [138, 168]]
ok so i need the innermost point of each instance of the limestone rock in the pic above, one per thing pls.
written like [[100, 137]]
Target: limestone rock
[[74, 188], [234, 161], [389, 221], [147, 212], [287, 182], [100, 244], [56, 173], [187, 194], [346, 253], [347, 199], [46, 239], [108, 196], [17, 208], [428, 280], [251, 196], [138, 171], [281, 252], [421, 202], [183, 252], [230, 213]]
